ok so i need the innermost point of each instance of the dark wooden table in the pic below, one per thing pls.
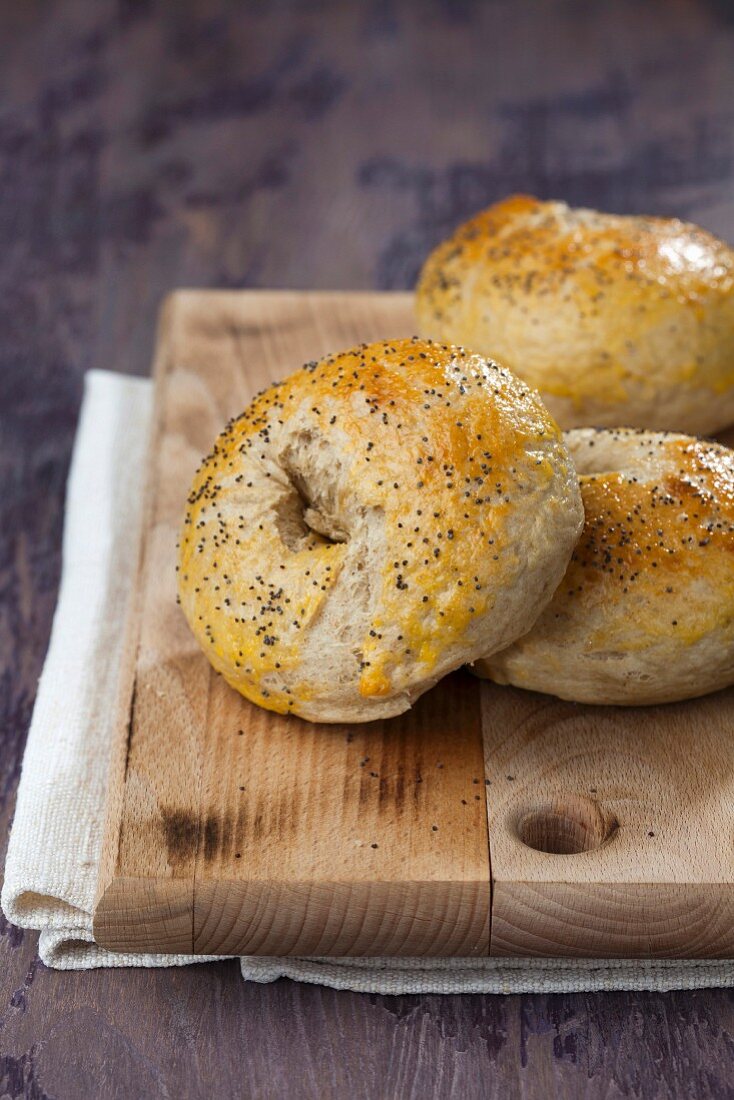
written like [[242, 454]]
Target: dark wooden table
[[145, 146]]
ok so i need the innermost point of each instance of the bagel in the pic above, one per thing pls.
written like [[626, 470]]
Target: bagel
[[615, 320], [376, 520], [645, 612]]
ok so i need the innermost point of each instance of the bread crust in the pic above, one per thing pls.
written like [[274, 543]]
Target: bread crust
[[615, 320], [645, 611], [377, 519]]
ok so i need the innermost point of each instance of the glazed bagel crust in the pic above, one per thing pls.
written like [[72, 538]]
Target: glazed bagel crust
[[615, 320], [374, 521], [645, 612]]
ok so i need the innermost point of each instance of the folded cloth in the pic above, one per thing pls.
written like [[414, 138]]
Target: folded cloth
[[55, 843]]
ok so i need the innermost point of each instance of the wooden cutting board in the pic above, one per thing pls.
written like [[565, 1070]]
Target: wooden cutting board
[[486, 821]]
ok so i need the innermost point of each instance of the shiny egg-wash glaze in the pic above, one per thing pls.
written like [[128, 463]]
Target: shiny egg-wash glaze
[[645, 612], [377, 519], [615, 320]]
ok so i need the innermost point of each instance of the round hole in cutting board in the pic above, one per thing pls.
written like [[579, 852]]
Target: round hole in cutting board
[[566, 826]]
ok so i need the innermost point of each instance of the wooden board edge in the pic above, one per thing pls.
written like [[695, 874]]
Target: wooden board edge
[[297, 919], [613, 920], [343, 919], [144, 915], [125, 702]]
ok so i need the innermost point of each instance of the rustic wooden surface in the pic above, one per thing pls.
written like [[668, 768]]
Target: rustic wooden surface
[[601, 843], [146, 145]]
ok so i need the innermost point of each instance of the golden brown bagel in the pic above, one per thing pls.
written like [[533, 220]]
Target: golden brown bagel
[[374, 521], [615, 320], [645, 612]]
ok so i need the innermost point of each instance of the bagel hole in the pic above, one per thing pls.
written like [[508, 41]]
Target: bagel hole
[[307, 511], [567, 826], [297, 518]]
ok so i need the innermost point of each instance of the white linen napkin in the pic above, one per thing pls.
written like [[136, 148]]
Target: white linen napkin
[[55, 842]]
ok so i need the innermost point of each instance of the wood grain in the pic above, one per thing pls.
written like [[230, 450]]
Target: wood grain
[[235, 831], [630, 812]]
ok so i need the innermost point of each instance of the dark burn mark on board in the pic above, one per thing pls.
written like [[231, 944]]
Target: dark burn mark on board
[[181, 831], [388, 785], [218, 835], [221, 835], [392, 789], [224, 834], [180, 834]]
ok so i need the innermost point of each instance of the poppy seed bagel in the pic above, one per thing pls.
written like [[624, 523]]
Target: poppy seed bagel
[[374, 521], [615, 320], [645, 612]]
